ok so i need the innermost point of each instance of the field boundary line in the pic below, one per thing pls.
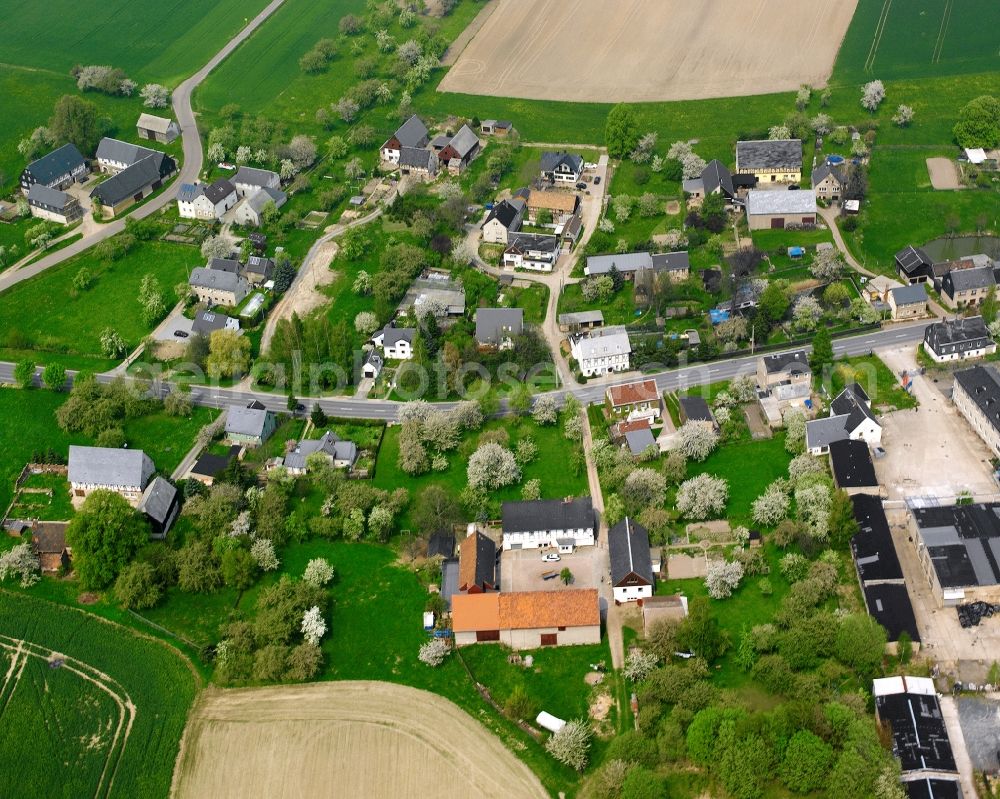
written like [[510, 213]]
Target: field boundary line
[[877, 37], [942, 32], [10, 681]]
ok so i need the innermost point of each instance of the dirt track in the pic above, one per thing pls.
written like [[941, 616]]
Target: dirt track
[[943, 174], [646, 50], [371, 739]]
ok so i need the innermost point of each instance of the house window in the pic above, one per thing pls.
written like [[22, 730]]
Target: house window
[[548, 639], [488, 635], [562, 629]]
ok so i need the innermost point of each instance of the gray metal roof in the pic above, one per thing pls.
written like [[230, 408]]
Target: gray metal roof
[[246, 421], [263, 196], [763, 202], [581, 318], [61, 161], [968, 279], [464, 141], [250, 176], [416, 157], [131, 180], [219, 190], [604, 342], [40, 194], [206, 322], [640, 440], [493, 325], [623, 262], [551, 160], [628, 546], [548, 514], [122, 152], [157, 500], [913, 294], [823, 432], [769, 154], [154, 123], [328, 444], [107, 466], [392, 335]]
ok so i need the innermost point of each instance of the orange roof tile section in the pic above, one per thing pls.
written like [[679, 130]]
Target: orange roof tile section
[[472, 612], [642, 391]]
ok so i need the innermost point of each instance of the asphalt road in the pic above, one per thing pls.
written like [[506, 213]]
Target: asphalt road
[[189, 172], [666, 380]]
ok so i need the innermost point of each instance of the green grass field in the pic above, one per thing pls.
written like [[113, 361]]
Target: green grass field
[[57, 731]]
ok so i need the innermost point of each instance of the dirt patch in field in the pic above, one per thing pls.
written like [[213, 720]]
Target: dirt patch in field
[[673, 207], [944, 174], [371, 739], [677, 50]]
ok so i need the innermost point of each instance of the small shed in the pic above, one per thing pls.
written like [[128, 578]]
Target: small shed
[[549, 722]]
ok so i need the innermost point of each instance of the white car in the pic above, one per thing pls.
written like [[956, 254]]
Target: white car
[[550, 557]]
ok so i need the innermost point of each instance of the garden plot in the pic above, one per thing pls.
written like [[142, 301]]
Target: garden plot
[[572, 49]]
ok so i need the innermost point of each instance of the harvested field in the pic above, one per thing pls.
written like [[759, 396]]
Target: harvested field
[[678, 50], [372, 739], [943, 173]]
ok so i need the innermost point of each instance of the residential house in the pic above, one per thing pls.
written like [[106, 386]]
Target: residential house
[[115, 155], [777, 161], [460, 150], [676, 264], [250, 212], [631, 564], [496, 127], [535, 251], [696, 409], [561, 167], [958, 339], [497, 327], [967, 288], [124, 471], [436, 292], [53, 205], [580, 320], [908, 302], [218, 286], [132, 184], [412, 133], [395, 342], [913, 265], [258, 270], [528, 619], [250, 425], [640, 440], [770, 210], [207, 322], [976, 394], [249, 180], [715, 178], [638, 400], [908, 710], [505, 218], [541, 523], [558, 203], [209, 466], [160, 503], [157, 128], [200, 201], [418, 161], [785, 373], [601, 351], [330, 447], [372, 366], [876, 290], [477, 564], [942, 268], [852, 467], [48, 539], [829, 181], [56, 170], [850, 417]]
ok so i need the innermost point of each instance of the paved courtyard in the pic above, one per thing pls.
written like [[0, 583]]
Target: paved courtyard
[[522, 570]]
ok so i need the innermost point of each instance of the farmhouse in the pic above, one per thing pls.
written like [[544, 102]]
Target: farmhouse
[[477, 564], [249, 181], [941, 269], [124, 471], [412, 133], [218, 286], [908, 302], [676, 264], [780, 209], [976, 394], [251, 425], [528, 619], [53, 205], [638, 400], [114, 155], [132, 184], [537, 524], [497, 327], [828, 182], [57, 170], [777, 161], [49, 542], [198, 201], [557, 203], [460, 150], [958, 339], [160, 503], [535, 251], [329, 447], [157, 128], [852, 467], [395, 342], [631, 564], [913, 265], [966, 288], [907, 708], [504, 218], [250, 212], [876, 289], [207, 322], [601, 351], [561, 167], [850, 417]]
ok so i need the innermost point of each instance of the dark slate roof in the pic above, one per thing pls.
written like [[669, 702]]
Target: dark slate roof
[[209, 465], [266, 195], [671, 261], [852, 402], [914, 294], [258, 265], [967, 280], [251, 176], [224, 265], [957, 335], [711, 279], [911, 259], [628, 545], [983, 387], [391, 335], [963, 542], [442, 544], [49, 537], [640, 440], [539, 242], [550, 161], [412, 133], [493, 325], [123, 152], [217, 279], [919, 736], [852, 464], [795, 362], [928, 788], [40, 194], [134, 179], [506, 211], [416, 157], [548, 514], [59, 162], [464, 141], [715, 175], [207, 322], [219, 190], [696, 409], [768, 154], [889, 604], [158, 499], [820, 173], [874, 553]]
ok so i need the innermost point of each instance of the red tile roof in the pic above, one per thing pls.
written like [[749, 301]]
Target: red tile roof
[[630, 393]]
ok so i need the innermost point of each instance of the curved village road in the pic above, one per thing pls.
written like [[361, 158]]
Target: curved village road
[[189, 172], [666, 380]]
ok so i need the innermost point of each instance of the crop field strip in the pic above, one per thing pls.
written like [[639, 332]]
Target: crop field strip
[[19, 653]]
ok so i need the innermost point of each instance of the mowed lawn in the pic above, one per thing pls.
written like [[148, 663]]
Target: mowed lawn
[[151, 41], [47, 315]]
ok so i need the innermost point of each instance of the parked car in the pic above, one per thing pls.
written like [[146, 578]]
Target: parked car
[[180, 334], [581, 185], [597, 180], [550, 557]]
